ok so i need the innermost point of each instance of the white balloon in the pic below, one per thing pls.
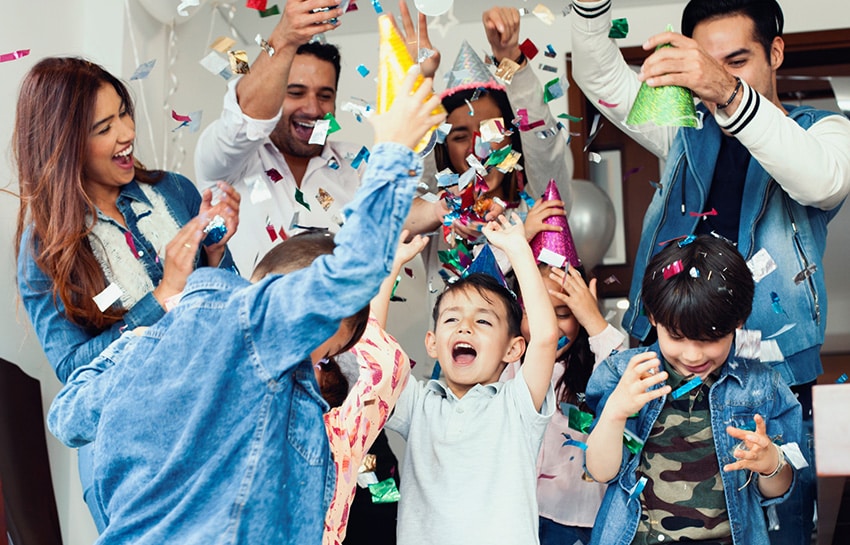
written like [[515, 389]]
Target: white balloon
[[592, 221], [433, 7], [165, 11]]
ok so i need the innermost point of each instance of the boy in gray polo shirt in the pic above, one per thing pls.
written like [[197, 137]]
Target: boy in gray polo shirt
[[469, 474]]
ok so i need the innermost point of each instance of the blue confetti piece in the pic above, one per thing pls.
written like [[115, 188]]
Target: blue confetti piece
[[563, 341], [687, 387], [215, 230], [143, 70], [550, 51], [842, 379], [635, 491], [774, 302], [435, 373], [377, 5], [572, 442], [333, 163], [687, 240], [362, 155], [529, 202], [363, 71]]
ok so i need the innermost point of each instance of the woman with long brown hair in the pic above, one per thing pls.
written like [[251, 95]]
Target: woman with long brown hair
[[102, 243]]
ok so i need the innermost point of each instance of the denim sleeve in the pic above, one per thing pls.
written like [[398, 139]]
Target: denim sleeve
[[75, 413], [784, 425], [306, 306]]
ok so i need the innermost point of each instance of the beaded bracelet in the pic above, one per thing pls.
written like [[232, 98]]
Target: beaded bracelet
[[734, 94]]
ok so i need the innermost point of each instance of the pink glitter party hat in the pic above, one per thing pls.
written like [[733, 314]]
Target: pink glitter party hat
[[555, 247]]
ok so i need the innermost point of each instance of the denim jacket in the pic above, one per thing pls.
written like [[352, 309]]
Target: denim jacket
[[69, 346], [794, 236], [745, 388], [209, 428]]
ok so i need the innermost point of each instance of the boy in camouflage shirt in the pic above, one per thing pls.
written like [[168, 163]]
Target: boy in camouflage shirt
[[705, 423]]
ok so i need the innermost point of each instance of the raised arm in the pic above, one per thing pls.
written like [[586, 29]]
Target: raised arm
[[407, 250], [509, 236]]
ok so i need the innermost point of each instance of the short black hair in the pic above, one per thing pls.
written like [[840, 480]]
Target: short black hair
[[325, 52], [299, 252], [508, 190], [766, 16], [487, 287], [709, 298]]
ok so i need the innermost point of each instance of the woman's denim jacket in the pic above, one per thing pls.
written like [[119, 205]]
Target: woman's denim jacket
[[208, 428], [69, 346], [794, 235], [745, 388]]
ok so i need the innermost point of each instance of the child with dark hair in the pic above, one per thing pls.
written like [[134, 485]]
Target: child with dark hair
[[208, 426], [469, 474], [703, 422]]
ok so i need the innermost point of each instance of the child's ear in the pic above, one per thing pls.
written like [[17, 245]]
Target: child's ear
[[431, 344], [651, 320], [515, 350]]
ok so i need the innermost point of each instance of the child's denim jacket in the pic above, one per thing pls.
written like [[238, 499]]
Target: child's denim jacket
[[745, 388]]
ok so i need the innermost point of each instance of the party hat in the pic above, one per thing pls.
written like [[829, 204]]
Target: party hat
[[667, 106], [486, 263], [395, 61], [555, 247], [469, 72]]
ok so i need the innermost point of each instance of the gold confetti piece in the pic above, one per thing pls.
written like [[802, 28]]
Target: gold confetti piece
[[324, 199], [238, 62], [222, 44]]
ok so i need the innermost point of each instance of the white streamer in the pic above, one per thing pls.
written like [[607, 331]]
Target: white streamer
[[142, 100]]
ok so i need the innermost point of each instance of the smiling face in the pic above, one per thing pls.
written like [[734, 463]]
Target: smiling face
[[310, 95], [688, 356], [568, 325], [732, 42], [471, 339], [109, 149]]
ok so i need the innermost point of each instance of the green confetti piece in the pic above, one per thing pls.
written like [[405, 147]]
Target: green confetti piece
[[569, 117], [334, 125], [270, 11], [619, 29], [498, 156], [580, 420], [299, 196], [395, 285], [384, 491], [632, 441]]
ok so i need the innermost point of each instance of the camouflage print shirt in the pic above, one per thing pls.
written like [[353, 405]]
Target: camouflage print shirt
[[683, 498]]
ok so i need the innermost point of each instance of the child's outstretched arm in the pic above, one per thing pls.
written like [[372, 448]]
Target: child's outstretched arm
[[509, 236], [764, 457], [605, 443], [406, 251]]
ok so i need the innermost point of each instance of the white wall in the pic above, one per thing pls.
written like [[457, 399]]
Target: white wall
[[97, 29]]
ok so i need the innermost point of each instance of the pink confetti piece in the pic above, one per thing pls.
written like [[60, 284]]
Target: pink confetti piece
[[672, 269], [274, 175], [631, 172], [607, 104], [711, 212], [14, 55], [409, 272], [181, 118]]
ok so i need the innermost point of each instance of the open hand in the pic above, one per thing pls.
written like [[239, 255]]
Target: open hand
[[759, 453], [303, 19], [542, 210], [415, 42], [633, 390]]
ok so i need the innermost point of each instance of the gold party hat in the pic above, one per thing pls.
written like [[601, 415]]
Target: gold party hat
[[667, 106], [395, 61]]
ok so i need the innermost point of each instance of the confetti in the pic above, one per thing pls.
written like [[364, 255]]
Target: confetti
[[694, 272], [181, 8], [687, 387], [506, 70], [446, 178], [805, 273], [687, 240], [377, 5], [143, 70], [633, 443], [491, 130], [544, 14], [748, 343], [333, 164], [761, 264], [181, 118], [264, 45], [572, 442], [409, 272], [362, 155], [362, 70], [783, 329], [611, 280], [775, 304], [274, 175], [324, 199], [569, 117], [217, 65], [259, 190], [333, 124], [320, 132], [631, 172], [195, 120], [607, 104], [215, 231], [104, 299], [672, 269], [619, 29], [595, 127], [547, 67], [299, 198], [550, 51], [259, 5], [635, 491], [555, 89], [528, 49], [712, 212], [238, 62], [529, 202], [352, 6], [222, 44], [509, 162], [274, 10], [594, 157], [14, 55], [443, 131], [842, 379]]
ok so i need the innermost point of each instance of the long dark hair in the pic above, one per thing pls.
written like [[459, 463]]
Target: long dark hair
[[509, 188], [578, 363], [55, 111]]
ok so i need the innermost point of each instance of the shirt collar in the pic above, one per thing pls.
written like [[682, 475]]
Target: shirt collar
[[441, 389]]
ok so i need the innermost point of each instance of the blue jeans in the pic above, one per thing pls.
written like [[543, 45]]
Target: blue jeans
[[552, 533], [85, 463], [796, 514]]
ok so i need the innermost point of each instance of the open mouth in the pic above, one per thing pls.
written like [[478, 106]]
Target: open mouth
[[303, 129], [463, 353], [124, 158]]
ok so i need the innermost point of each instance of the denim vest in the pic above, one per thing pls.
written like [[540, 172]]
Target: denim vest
[[745, 388], [794, 235]]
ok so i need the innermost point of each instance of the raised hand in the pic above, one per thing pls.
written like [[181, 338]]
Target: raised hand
[[759, 453], [415, 42], [228, 208], [410, 115], [507, 235], [303, 19], [502, 28], [633, 391], [542, 210], [580, 297]]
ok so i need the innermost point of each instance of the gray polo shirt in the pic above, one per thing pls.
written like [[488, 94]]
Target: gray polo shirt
[[470, 471]]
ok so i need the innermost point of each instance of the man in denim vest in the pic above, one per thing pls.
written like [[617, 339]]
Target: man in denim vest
[[763, 175]]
